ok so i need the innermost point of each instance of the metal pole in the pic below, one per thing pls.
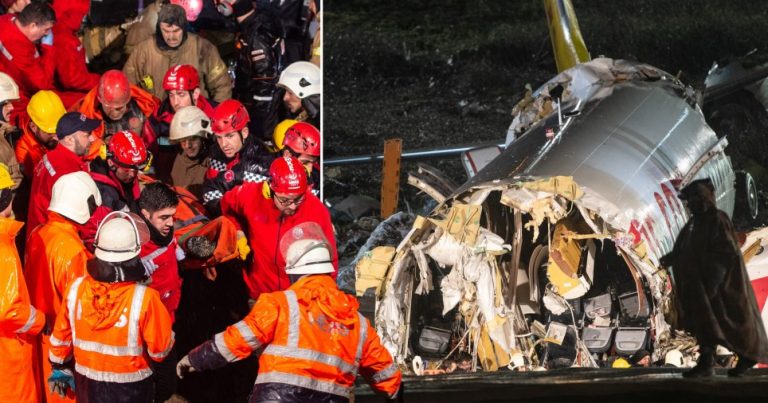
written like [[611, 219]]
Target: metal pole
[[422, 153]]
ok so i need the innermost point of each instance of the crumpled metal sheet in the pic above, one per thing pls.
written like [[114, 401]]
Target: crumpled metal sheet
[[584, 82]]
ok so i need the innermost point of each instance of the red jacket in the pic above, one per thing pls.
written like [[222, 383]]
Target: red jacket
[[30, 65], [163, 262], [71, 70], [264, 226], [57, 162]]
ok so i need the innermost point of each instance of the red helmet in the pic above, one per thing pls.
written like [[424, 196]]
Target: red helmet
[[303, 138], [127, 149], [181, 77], [230, 116], [114, 88], [288, 176], [191, 7]]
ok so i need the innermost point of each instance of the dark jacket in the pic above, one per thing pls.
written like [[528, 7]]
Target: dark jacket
[[251, 164], [259, 63], [115, 195], [716, 302]]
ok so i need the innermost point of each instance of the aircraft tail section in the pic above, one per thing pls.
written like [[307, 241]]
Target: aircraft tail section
[[567, 42]]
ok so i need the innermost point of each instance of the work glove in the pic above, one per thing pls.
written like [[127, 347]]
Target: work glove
[[242, 245], [184, 367], [60, 381]]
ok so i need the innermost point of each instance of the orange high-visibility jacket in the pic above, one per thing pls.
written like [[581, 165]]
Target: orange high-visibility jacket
[[315, 339], [54, 257], [19, 322], [112, 330]]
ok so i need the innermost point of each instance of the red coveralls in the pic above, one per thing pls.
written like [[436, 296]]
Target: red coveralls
[[31, 66], [264, 226]]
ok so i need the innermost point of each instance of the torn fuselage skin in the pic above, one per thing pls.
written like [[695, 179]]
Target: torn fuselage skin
[[548, 257]]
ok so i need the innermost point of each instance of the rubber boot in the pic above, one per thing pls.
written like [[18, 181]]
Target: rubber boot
[[704, 366], [741, 367]]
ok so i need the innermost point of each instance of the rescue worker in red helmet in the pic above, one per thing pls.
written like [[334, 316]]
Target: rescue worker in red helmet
[[302, 141], [20, 322], [265, 211], [236, 157], [120, 104], [312, 339], [182, 86], [117, 176], [117, 331]]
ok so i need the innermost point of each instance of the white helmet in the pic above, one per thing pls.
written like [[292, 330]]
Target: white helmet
[[306, 250], [75, 196], [188, 122], [120, 236], [302, 78], [9, 91]]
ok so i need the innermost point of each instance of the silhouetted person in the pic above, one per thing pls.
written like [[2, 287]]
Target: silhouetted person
[[715, 298]]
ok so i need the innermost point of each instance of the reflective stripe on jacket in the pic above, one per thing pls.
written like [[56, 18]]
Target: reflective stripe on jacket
[[315, 339], [112, 330], [19, 321]]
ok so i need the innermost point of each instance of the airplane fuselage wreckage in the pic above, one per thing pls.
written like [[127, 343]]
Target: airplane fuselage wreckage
[[548, 257]]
